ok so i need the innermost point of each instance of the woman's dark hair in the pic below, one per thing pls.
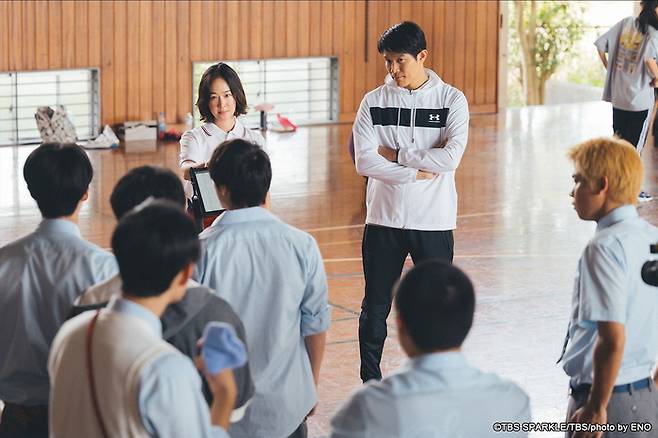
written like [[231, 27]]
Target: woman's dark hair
[[435, 301], [405, 37], [152, 244], [647, 16], [244, 169], [225, 72], [57, 176]]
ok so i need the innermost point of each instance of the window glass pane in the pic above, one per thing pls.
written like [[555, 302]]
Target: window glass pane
[[21, 93], [302, 89]]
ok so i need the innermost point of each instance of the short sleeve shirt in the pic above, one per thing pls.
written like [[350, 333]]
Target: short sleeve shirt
[[628, 82], [608, 287]]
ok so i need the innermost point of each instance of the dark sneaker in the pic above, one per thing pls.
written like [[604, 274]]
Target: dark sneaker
[[644, 196]]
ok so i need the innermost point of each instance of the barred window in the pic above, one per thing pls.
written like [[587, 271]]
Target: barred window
[[303, 89], [21, 93]]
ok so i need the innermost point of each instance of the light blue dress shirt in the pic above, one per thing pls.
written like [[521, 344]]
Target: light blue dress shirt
[[42, 274], [273, 277], [608, 287], [436, 395], [171, 403]]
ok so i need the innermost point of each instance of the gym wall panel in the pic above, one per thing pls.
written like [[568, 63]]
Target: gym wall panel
[[145, 60], [159, 53], [256, 32], [94, 33], [68, 35], [81, 27], [120, 60], [145, 49], [54, 38]]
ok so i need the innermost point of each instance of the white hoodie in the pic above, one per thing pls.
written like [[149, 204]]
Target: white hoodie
[[429, 126]]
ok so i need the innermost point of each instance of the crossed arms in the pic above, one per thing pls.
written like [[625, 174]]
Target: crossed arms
[[402, 166]]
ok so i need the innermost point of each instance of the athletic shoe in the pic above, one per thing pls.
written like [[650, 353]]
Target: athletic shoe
[[644, 196], [107, 140]]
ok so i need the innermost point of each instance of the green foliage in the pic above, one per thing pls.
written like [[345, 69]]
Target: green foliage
[[559, 28], [585, 71]]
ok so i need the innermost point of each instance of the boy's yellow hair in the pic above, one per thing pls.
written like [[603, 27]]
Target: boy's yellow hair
[[615, 159]]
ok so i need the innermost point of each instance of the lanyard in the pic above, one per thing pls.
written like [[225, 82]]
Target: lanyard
[[90, 375]]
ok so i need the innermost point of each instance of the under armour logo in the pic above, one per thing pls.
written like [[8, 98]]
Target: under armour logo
[[435, 117]]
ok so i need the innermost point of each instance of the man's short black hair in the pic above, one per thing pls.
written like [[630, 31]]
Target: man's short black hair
[[244, 169], [152, 244], [220, 70], [435, 301], [405, 37], [143, 182], [57, 176]]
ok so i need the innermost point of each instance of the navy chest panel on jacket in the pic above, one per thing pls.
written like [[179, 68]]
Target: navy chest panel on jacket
[[425, 117]]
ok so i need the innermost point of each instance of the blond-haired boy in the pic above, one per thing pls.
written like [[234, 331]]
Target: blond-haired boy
[[613, 330]]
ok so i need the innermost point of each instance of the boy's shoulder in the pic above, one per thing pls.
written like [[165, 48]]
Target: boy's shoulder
[[267, 226], [626, 237], [625, 228]]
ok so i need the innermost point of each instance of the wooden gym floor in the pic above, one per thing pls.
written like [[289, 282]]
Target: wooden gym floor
[[518, 237]]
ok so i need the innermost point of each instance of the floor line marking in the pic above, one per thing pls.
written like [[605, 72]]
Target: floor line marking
[[346, 309], [348, 341], [467, 256], [337, 227], [344, 227], [340, 276]]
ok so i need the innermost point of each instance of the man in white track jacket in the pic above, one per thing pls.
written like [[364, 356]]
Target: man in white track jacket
[[409, 137]]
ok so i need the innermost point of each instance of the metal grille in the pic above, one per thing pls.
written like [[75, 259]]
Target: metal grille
[[303, 89], [21, 93]]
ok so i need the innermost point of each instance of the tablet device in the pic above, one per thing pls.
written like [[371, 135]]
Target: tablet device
[[204, 190]]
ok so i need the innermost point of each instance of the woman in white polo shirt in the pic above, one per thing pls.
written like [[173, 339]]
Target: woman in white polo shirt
[[221, 100]]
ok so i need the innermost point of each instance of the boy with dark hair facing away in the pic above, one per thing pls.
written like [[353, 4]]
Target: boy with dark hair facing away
[[42, 273], [409, 137], [183, 322], [438, 393], [136, 384], [272, 275], [612, 339]]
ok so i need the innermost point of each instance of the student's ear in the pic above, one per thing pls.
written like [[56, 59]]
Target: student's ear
[[422, 56], [400, 324], [223, 190], [223, 194], [267, 204], [82, 200], [404, 339], [601, 185], [178, 286], [186, 274]]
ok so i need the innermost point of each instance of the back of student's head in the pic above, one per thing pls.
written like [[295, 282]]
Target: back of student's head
[[435, 301], [648, 16], [615, 159], [405, 37], [152, 244], [244, 169], [145, 182], [57, 176]]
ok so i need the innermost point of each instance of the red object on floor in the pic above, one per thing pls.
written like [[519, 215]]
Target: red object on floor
[[286, 123]]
